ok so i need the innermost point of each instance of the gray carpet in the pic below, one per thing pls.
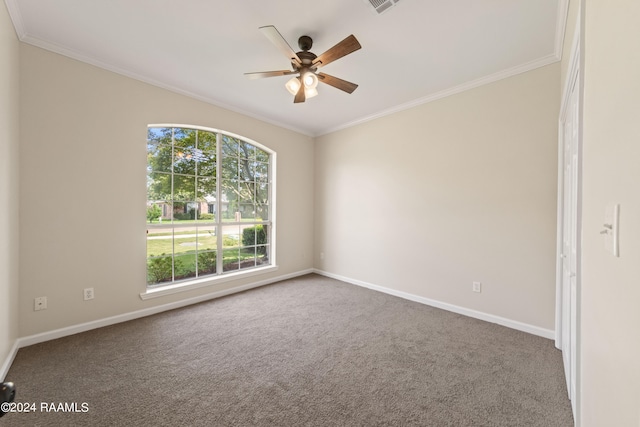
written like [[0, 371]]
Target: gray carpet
[[310, 351]]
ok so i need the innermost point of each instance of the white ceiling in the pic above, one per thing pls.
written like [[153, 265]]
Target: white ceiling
[[415, 52]]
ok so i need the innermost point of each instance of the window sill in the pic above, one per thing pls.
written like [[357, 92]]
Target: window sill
[[189, 285]]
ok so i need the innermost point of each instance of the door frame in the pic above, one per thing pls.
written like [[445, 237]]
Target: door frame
[[573, 76]]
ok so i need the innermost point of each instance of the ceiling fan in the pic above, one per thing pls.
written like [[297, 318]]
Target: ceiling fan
[[305, 64]]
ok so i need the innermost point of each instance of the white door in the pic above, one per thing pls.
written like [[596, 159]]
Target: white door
[[570, 238]]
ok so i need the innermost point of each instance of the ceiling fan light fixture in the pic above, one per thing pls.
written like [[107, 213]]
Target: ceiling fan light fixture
[[310, 80], [293, 85], [310, 92]]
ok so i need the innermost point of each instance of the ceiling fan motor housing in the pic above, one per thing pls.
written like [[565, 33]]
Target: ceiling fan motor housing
[[305, 42], [306, 58]]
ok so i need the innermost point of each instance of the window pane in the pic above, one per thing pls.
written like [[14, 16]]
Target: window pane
[[262, 192], [159, 135], [158, 157], [185, 211], [185, 246], [247, 211], [213, 209], [206, 163], [167, 211], [247, 258], [206, 189], [198, 210], [158, 186], [207, 263], [230, 236], [262, 212], [184, 161], [159, 241], [246, 192], [185, 266], [261, 171], [159, 255], [159, 270], [261, 255], [230, 259], [257, 171], [230, 206], [245, 172], [184, 188], [184, 138], [229, 146], [262, 156], [253, 235], [207, 239], [185, 240], [246, 150], [230, 168], [154, 212], [207, 141], [263, 245]]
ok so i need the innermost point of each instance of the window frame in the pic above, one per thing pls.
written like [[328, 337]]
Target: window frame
[[220, 276]]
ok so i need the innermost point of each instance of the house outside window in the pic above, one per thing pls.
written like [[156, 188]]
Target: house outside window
[[209, 204]]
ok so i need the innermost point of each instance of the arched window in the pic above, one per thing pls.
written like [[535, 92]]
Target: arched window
[[209, 209]]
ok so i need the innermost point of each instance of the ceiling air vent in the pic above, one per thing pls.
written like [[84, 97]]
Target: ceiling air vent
[[381, 5]]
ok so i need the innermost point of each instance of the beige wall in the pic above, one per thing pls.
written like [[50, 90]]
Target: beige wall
[[83, 152], [462, 189], [9, 200], [610, 294]]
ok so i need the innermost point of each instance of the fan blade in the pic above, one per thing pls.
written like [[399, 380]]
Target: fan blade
[[345, 47], [300, 96], [276, 38], [262, 74], [337, 83]]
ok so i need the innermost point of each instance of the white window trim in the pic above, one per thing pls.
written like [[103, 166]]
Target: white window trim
[[187, 285]]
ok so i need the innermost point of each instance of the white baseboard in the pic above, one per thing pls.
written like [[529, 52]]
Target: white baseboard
[[83, 327], [513, 324], [4, 369]]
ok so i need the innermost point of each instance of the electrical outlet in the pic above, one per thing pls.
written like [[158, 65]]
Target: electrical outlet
[[321, 255], [88, 294], [40, 303], [477, 287]]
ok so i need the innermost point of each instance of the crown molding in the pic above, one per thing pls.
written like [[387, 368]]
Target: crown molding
[[55, 48], [549, 59], [16, 17], [561, 27]]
